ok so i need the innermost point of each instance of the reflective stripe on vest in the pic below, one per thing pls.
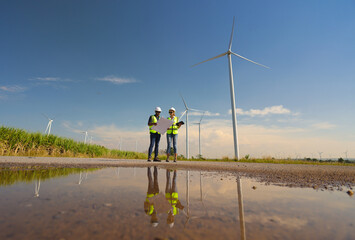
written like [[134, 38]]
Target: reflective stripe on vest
[[174, 128], [154, 120]]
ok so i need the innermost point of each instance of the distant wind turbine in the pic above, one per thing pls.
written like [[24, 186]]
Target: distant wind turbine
[[37, 186], [234, 117], [187, 109], [199, 135], [49, 126], [86, 135], [320, 156]]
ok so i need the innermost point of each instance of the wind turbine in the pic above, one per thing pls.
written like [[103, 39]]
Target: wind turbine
[[187, 109], [187, 212], [49, 126], [199, 135], [37, 186], [241, 209], [234, 117], [86, 135], [320, 156]]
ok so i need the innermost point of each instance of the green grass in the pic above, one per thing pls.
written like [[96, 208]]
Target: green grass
[[18, 142], [9, 176]]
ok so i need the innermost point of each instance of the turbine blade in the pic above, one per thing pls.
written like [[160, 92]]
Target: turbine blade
[[231, 39], [202, 116], [220, 55], [46, 116], [183, 114], [196, 110], [249, 60], [184, 102]]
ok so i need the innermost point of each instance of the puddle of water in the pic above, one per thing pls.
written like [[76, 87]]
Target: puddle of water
[[141, 203]]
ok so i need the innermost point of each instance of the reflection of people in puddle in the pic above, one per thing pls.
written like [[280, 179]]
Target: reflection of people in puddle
[[172, 196], [153, 189]]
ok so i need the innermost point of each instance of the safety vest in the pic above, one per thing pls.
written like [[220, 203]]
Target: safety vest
[[173, 200], [173, 128], [151, 206], [154, 120]]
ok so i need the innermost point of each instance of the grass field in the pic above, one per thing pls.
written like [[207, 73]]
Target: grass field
[[18, 142]]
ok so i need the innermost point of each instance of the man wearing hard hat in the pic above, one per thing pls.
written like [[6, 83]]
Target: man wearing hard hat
[[153, 189], [154, 135]]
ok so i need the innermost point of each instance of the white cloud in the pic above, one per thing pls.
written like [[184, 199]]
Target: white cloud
[[117, 80], [13, 89], [207, 113], [323, 125], [263, 112], [47, 79]]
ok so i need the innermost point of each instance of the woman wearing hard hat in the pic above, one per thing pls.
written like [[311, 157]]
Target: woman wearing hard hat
[[172, 134]]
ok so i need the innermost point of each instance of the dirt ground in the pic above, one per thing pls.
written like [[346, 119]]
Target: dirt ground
[[291, 175]]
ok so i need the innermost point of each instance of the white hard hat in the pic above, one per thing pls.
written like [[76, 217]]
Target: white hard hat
[[155, 224], [158, 109], [171, 225], [172, 109]]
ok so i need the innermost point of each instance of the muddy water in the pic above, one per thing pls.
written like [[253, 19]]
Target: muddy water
[[141, 203]]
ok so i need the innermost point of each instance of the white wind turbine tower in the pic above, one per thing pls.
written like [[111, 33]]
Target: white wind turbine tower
[[320, 156], [86, 135], [187, 109], [49, 126], [234, 117], [199, 135]]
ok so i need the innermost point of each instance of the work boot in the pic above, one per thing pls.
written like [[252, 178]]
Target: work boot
[[149, 159], [167, 158], [156, 160]]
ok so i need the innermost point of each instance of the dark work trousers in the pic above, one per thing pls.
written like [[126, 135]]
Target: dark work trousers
[[154, 140]]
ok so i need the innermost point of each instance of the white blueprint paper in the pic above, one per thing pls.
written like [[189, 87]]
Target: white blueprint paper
[[162, 125]]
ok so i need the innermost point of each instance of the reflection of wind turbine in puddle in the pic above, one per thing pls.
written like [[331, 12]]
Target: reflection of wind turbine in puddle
[[201, 195], [37, 186], [82, 177], [187, 213], [241, 209], [118, 172]]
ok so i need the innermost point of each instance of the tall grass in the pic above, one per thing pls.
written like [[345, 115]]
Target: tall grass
[[11, 176], [18, 142]]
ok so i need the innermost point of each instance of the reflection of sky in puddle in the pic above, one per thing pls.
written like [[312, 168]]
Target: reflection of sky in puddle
[[110, 204]]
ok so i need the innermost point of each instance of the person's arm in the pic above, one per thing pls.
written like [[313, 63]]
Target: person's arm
[[150, 123], [178, 124]]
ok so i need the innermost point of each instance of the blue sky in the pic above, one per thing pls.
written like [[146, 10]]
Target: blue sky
[[103, 66]]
